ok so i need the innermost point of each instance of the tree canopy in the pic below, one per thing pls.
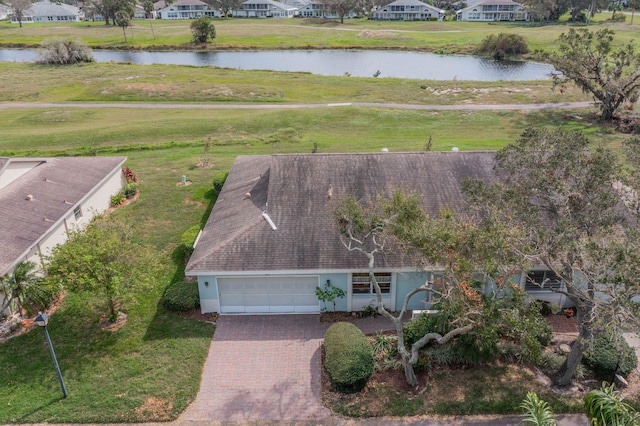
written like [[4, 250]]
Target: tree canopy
[[203, 30], [570, 206], [458, 253], [589, 60], [105, 260]]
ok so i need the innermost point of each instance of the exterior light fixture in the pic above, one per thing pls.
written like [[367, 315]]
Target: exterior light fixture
[[42, 320]]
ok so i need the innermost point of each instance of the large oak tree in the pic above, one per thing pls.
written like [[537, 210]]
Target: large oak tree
[[576, 217], [590, 60]]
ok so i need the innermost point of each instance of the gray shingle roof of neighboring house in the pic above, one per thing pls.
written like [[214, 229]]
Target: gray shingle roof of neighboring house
[[45, 8], [33, 203], [294, 191]]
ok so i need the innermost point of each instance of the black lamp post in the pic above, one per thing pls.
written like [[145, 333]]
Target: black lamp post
[[42, 320]]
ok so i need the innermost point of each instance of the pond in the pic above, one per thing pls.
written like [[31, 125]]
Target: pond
[[357, 63]]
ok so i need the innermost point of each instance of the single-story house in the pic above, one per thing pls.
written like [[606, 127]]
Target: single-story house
[[272, 238], [494, 10], [188, 9], [315, 9], [43, 199], [408, 10], [264, 9], [45, 11]]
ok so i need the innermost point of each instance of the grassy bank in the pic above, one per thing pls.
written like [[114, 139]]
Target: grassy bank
[[443, 37], [108, 82]]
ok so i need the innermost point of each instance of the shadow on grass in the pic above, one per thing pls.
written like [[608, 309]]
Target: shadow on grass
[[166, 324], [26, 417]]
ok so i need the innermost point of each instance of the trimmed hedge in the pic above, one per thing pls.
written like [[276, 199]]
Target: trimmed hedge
[[219, 180], [605, 353], [348, 357], [189, 239], [182, 297]]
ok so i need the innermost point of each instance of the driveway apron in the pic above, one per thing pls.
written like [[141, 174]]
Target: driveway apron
[[262, 367]]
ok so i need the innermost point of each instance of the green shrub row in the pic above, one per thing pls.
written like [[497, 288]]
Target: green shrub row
[[348, 357], [182, 297]]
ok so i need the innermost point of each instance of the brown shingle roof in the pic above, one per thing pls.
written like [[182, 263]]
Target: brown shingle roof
[[23, 222], [237, 238]]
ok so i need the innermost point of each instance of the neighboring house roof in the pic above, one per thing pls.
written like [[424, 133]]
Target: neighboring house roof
[[272, 3], [293, 189], [174, 6], [159, 5], [490, 2], [412, 3], [35, 199], [46, 8]]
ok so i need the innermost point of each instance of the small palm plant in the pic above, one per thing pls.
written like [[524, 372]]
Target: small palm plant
[[536, 411], [605, 407]]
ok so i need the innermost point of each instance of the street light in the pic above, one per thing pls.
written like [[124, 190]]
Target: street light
[[42, 320]]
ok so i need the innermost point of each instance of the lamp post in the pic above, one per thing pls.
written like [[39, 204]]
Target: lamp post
[[42, 320]]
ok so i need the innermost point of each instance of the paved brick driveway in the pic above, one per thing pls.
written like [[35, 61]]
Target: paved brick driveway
[[262, 367]]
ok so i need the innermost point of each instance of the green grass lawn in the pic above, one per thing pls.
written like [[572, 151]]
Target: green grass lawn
[[149, 370], [444, 37]]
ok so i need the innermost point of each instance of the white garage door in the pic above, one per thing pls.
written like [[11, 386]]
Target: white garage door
[[268, 294]]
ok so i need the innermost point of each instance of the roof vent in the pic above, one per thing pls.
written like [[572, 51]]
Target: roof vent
[[247, 196], [269, 221], [29, 197], [330, 192]]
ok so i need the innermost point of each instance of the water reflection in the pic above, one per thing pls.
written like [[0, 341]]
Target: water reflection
[[357, 63]]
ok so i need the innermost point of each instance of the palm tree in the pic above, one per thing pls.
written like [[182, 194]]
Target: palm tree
[[22, 289], [605, 407], [536, 411]]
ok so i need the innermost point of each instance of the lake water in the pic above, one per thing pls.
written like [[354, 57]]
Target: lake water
[[357, 63]]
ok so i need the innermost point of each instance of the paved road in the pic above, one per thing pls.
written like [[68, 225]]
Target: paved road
[[459, 107]]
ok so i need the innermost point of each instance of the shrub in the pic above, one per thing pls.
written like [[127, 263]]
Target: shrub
[[60, 51], [498, 46], [189, 238], [219, 180], [130, 189], [348, 357], [203, 30], [607, 353], [182, 297], [117, 199]]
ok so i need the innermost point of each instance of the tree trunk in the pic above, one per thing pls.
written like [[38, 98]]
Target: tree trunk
[[409, 372], [568, 368]]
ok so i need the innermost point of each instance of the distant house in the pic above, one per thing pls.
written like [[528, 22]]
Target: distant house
[[43, 199], [45, 11], [316, 9], [494, 10], [188, 9], [141, 14], [4, 12], [408, 10], [264, 9]]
